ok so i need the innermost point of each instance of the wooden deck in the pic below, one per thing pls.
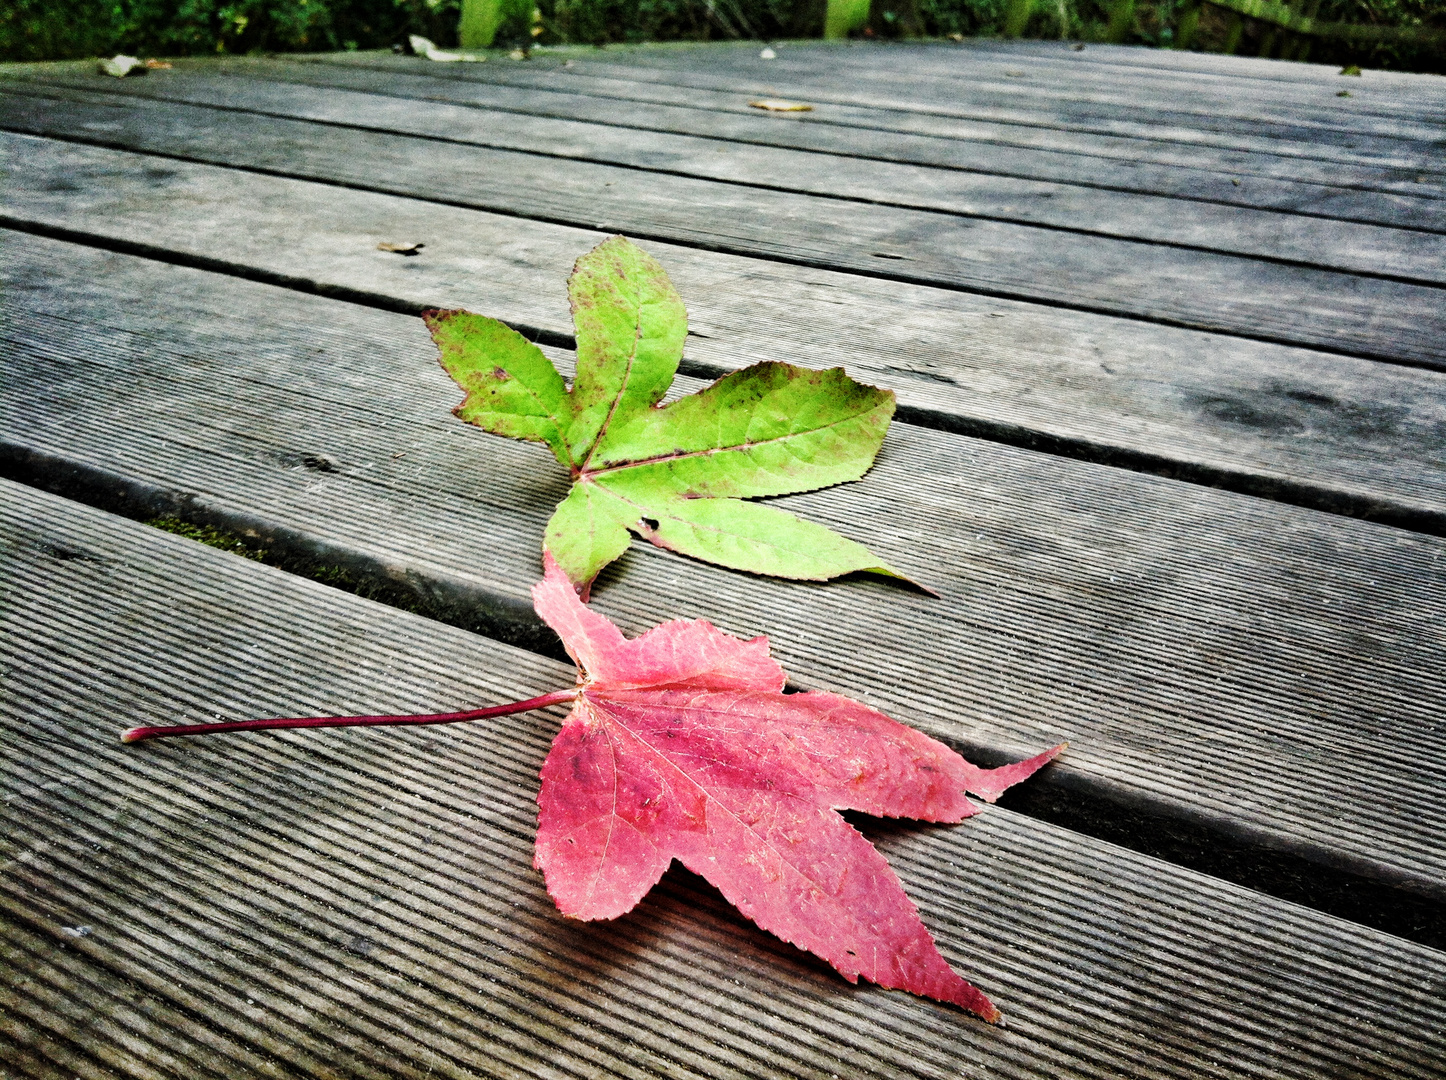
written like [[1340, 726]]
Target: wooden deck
[[1168, 333]]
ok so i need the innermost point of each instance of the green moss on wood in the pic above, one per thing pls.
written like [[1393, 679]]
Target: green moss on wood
[[338, 577], [210, 536]]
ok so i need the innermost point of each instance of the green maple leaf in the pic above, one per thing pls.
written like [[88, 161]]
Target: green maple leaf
[[678, 475]]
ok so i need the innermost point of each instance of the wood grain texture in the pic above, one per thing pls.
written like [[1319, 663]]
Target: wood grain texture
[[1407, 167], [1333, 432], [1128, 59], [1326, 129], [1212, 658], [362, 904], [1367, 317], [931, 78], [1343, 193], [289, 90]]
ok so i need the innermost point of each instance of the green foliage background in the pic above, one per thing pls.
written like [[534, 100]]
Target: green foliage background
[[63, 29]]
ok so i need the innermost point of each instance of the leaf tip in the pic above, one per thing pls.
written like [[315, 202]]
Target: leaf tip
[[889, 571], [989, 784], [971, 999]]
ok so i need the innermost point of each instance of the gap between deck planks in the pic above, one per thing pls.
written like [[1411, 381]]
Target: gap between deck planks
[[1374, 251], [1341, 434], [1344, 192], [1308, 138], [362, 903], [1128, 59], [984, 68], [1326, 310], [1218, 663], [1056, 91], [1321, 127], [1406, 165]]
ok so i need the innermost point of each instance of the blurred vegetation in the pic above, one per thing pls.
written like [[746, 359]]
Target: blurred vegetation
[[65, 29], [62, 29]]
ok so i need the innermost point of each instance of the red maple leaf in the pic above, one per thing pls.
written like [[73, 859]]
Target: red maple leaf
[[682, 745]]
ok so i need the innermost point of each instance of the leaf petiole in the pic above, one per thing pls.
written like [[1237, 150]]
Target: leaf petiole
[[138, 734]]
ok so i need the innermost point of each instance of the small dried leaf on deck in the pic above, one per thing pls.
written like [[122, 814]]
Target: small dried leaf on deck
[[775, 105], [119, 66], [424, 47]]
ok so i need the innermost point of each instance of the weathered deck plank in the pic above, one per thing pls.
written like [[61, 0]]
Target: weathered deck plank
[[1324, 128], [1310, 124], [1070, 93], [1408, 167], [1330, 310], [1251, 689], [1127, 59], [1369, 250], [362, 903], [1342, 193], [1333, 432], [1214, 660]]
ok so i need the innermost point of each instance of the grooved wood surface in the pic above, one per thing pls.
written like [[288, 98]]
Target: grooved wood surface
[[1339, 432], [1186, 67], [978, 73], [1164, 328], [361, 904], [1403, 165], [557, 124], [1023, 152], [1279, 122], [1227, 657], [1365, 316]]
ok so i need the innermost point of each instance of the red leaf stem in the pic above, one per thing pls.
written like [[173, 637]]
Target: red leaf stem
[[557, 697]]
